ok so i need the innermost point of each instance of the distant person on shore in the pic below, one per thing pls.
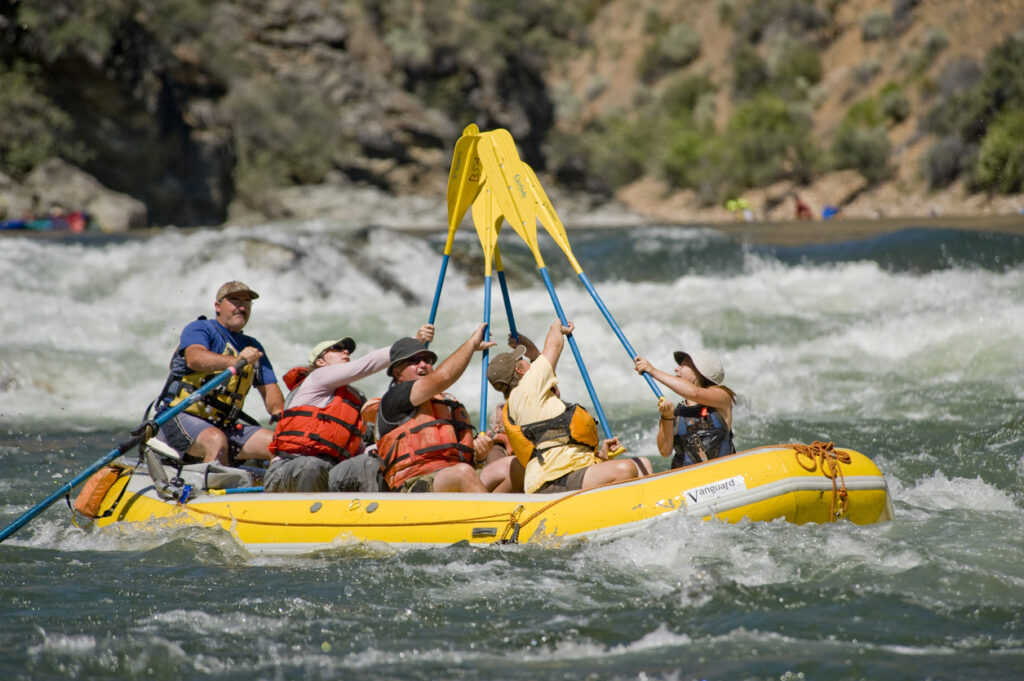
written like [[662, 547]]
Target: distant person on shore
[[425, 439], [318, 445], [215, 428], [803, 210], [699, 428], [556, 442]]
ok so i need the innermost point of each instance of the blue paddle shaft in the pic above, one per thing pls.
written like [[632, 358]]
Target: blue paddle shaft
[[508, 306], [486, 352], [160, 419], [576, 353], [437, 291], [618, 331]]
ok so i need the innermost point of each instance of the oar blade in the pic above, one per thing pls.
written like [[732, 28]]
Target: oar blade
[[464, 180], [548, 217], [487, 219], [504, 173]]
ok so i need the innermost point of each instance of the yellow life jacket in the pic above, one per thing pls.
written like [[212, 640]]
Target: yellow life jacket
[[574, 426], [223, 405]]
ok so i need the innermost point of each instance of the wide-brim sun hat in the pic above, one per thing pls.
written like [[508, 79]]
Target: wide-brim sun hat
[[706, 364], [403, 349], [323, 346], [502, 368]]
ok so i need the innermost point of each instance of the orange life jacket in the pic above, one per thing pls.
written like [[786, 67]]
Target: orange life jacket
[[335, 430], [574, 426], [438, 436]]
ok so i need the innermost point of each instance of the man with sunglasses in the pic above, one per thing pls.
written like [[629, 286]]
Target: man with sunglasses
[[424, 437], [318, 442], [209, 430]]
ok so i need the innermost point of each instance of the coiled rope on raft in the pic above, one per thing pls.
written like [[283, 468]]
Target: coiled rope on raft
[[823, 455]]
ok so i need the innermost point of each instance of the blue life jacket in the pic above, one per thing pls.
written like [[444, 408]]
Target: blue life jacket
[[701, 435]]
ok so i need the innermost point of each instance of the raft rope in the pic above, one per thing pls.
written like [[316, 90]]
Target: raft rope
[[830, 464]]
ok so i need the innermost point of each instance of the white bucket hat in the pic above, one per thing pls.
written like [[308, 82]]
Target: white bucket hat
[[706, 364]]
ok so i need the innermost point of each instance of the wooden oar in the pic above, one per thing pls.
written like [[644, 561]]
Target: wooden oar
[[463, 186], [139, 435], [553, 225]]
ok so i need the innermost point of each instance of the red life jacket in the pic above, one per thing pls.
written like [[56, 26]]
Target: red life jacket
[[335, 430], [438, 436]]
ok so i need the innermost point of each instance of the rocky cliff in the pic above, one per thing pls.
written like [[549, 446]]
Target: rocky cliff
[[196, 108]]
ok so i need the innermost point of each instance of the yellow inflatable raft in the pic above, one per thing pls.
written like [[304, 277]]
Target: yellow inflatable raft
[[799, 483]]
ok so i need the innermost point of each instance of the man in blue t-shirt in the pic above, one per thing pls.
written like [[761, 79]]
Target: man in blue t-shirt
[[211, 430]]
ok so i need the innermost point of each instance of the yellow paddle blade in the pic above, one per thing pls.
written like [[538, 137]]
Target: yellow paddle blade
[[487, 219], [504, 172], [464, 180], [549, 218]]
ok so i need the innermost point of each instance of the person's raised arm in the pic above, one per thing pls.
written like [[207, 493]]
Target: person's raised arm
[[555, 341], [449, 371], [532, 352], [714, 396]]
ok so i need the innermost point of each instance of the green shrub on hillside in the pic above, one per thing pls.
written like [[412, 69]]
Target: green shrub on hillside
[[32, 128], [62, 26], [876, 25], [751, 18], [864, 149], [674, 49], [1000, 164], [609, 154], [799, 61], [769, 139], [894, 103], [284, 134], [681, 96], [999, 88], [749, 72], [944, 160]]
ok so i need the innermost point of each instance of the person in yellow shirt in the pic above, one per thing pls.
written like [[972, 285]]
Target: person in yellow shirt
[[556, 441]]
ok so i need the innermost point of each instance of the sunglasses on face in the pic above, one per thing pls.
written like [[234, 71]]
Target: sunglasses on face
[[416, 359]]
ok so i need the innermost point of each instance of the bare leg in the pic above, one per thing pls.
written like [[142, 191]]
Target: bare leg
[[504, 475], [257, 446], [458, 478], [210, 446], [611, 471]]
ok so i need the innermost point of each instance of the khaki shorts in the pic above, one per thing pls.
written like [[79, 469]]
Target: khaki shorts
[[567, 483]]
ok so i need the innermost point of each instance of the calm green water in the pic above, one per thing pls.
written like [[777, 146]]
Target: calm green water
[[907, 348]]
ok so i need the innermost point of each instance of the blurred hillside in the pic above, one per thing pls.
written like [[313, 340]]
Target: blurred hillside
[[203, 109]]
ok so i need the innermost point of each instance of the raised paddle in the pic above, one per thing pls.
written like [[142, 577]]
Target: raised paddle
[[463, 186], [553, 225], [490, 213], [484, 221], [139, 435], [502, 164]]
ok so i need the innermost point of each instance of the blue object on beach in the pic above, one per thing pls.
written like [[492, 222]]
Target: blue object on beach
[[829, 212]]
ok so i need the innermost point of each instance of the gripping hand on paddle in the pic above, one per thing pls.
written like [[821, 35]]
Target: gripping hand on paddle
[[425, 333], [609, 448], [251, 355]]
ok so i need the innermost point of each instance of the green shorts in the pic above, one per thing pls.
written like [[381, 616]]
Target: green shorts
[[421, 483]]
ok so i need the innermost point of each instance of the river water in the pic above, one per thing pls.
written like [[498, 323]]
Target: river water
[[907, 347]]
